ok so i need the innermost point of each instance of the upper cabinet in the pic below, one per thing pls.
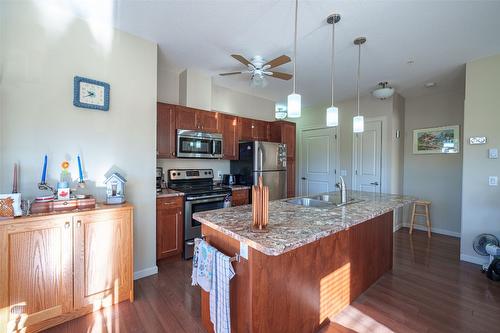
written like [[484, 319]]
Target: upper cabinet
[[165, 130], [197, 120], [284, 132], [229, 125], [253, 130]]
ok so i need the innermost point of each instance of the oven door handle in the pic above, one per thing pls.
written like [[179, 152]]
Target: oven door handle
[[208, 198]]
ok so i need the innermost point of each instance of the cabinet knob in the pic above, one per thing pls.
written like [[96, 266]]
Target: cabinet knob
[[172, 153], [78, 223], [66, 225]]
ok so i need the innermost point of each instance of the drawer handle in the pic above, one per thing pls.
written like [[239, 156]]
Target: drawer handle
[[66, 225], [168, 203], [65, 203]]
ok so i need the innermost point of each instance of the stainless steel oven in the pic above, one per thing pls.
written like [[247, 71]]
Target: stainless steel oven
[[192, 228], [194, 144]]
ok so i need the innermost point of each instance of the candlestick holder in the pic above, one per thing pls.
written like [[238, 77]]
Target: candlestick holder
[[47, 187]]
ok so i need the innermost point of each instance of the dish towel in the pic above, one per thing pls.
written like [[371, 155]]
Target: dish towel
[[223, 272], [203, 264]]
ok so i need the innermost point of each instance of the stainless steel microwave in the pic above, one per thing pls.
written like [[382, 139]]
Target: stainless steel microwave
[[195, 144]]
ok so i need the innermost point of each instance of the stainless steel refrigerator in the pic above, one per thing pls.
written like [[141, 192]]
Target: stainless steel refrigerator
[[266, 159]]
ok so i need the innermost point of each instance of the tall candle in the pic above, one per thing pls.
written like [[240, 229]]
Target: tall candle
[[80, 172], [14, 181], [44, 171]]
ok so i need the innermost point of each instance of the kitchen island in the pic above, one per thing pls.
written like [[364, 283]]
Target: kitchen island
[[311, 264]]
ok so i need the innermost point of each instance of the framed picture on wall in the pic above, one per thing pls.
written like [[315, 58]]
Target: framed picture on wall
[[437, 140]]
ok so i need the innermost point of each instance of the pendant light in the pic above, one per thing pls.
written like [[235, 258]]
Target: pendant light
[[332, 113], [358, 122], [294, 99]]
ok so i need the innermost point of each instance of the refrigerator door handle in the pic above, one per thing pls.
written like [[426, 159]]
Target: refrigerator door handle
[[260, 157]]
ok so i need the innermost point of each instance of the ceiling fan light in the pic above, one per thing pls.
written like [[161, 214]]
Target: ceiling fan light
[[294, 105], [332, 116], [280, 111], [358, 124]]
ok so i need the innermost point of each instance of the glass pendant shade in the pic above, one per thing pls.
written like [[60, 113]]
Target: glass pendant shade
[[332, 116], [358, 124], [294, 101]]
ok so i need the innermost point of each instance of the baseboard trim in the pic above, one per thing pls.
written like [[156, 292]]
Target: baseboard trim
[[145, 272], [435, 230], [473, 259]]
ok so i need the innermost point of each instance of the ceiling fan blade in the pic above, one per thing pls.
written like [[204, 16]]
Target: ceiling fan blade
[[277, 62], [241, 59], [280, 75], [230, 73]]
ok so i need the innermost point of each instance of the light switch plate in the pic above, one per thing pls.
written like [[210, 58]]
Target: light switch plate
[[493, 180], [493, 153], [244, 250]]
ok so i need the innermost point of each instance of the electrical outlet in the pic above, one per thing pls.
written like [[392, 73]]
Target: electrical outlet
[[493, 180], [219, 174], [244, 250]]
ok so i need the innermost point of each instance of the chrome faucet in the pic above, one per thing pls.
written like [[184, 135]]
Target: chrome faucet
[[343, 190]]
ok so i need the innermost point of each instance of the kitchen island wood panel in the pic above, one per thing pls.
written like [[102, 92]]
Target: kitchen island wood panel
[[299, 291]]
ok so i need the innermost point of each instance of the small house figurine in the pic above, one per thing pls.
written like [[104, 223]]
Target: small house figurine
[[115, 189]]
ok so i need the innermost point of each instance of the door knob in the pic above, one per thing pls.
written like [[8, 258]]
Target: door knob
[[303, 178], [374, 183]]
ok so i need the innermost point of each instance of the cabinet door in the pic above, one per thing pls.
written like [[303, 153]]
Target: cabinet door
[[169, 227], [288, 137], [245, 129], [186, 118], [208, 121], [165, 130], [35, 272], [260, 130], [230, 136], [275, 131], [240, 197], [290, 178], [103, 258]]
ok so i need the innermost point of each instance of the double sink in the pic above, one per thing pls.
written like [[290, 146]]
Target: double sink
[[322, 201]]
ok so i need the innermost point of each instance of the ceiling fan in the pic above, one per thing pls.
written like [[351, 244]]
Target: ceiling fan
[[258, 69]]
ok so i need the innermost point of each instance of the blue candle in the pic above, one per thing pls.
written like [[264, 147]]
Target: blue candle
[[44, 171], [80, 172]]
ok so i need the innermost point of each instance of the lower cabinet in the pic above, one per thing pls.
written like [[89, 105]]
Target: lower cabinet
[[240, 197], [169, 226], [59, 267]]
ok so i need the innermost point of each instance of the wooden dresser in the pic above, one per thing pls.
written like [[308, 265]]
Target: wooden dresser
[[56, 267]]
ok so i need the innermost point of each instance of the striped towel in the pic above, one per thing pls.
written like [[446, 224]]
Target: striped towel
[[223, 272], [203, 264]]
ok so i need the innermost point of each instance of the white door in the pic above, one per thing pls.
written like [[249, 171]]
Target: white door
[[367, 158], [318, 161]]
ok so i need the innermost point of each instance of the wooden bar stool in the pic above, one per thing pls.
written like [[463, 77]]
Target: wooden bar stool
[[423, 204]]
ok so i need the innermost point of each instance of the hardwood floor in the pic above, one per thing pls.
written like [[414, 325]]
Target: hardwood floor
[[428, 290]]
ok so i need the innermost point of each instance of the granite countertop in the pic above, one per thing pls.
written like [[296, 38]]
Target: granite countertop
[[167, 192], [292, 226]]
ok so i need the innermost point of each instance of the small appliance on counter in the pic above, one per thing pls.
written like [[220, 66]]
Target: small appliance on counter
[[200, 195], [159, 179], [229, 180]]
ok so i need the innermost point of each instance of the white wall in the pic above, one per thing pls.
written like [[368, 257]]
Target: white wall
[[480, 202], [39, 61], [371, 108], [435, 177]]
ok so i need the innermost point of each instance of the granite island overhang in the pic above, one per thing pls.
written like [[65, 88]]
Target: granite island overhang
[[311, 264]]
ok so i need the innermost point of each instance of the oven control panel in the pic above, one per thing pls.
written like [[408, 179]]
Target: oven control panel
[[186, 174]]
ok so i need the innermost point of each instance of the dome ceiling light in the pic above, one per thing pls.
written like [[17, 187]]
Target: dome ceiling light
[[384, 91]]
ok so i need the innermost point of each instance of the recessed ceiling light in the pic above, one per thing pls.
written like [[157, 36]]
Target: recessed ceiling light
[[430, 84]]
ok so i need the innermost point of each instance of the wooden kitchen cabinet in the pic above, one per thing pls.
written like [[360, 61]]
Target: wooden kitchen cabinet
[[197, 120], [165, 130], [36, 270], [169, 227], [102, 258], [240, 197], [57, 267], [229, 125], [253, 130]]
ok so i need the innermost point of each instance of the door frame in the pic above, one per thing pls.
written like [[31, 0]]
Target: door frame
[[383, 148], [300, 168]]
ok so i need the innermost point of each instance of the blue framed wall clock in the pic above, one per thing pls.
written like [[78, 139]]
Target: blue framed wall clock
[[91, 94]]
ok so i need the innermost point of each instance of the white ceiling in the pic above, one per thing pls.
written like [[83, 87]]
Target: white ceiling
[[439, 36]]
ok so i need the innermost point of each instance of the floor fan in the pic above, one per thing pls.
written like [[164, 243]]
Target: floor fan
[[488, 245]]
